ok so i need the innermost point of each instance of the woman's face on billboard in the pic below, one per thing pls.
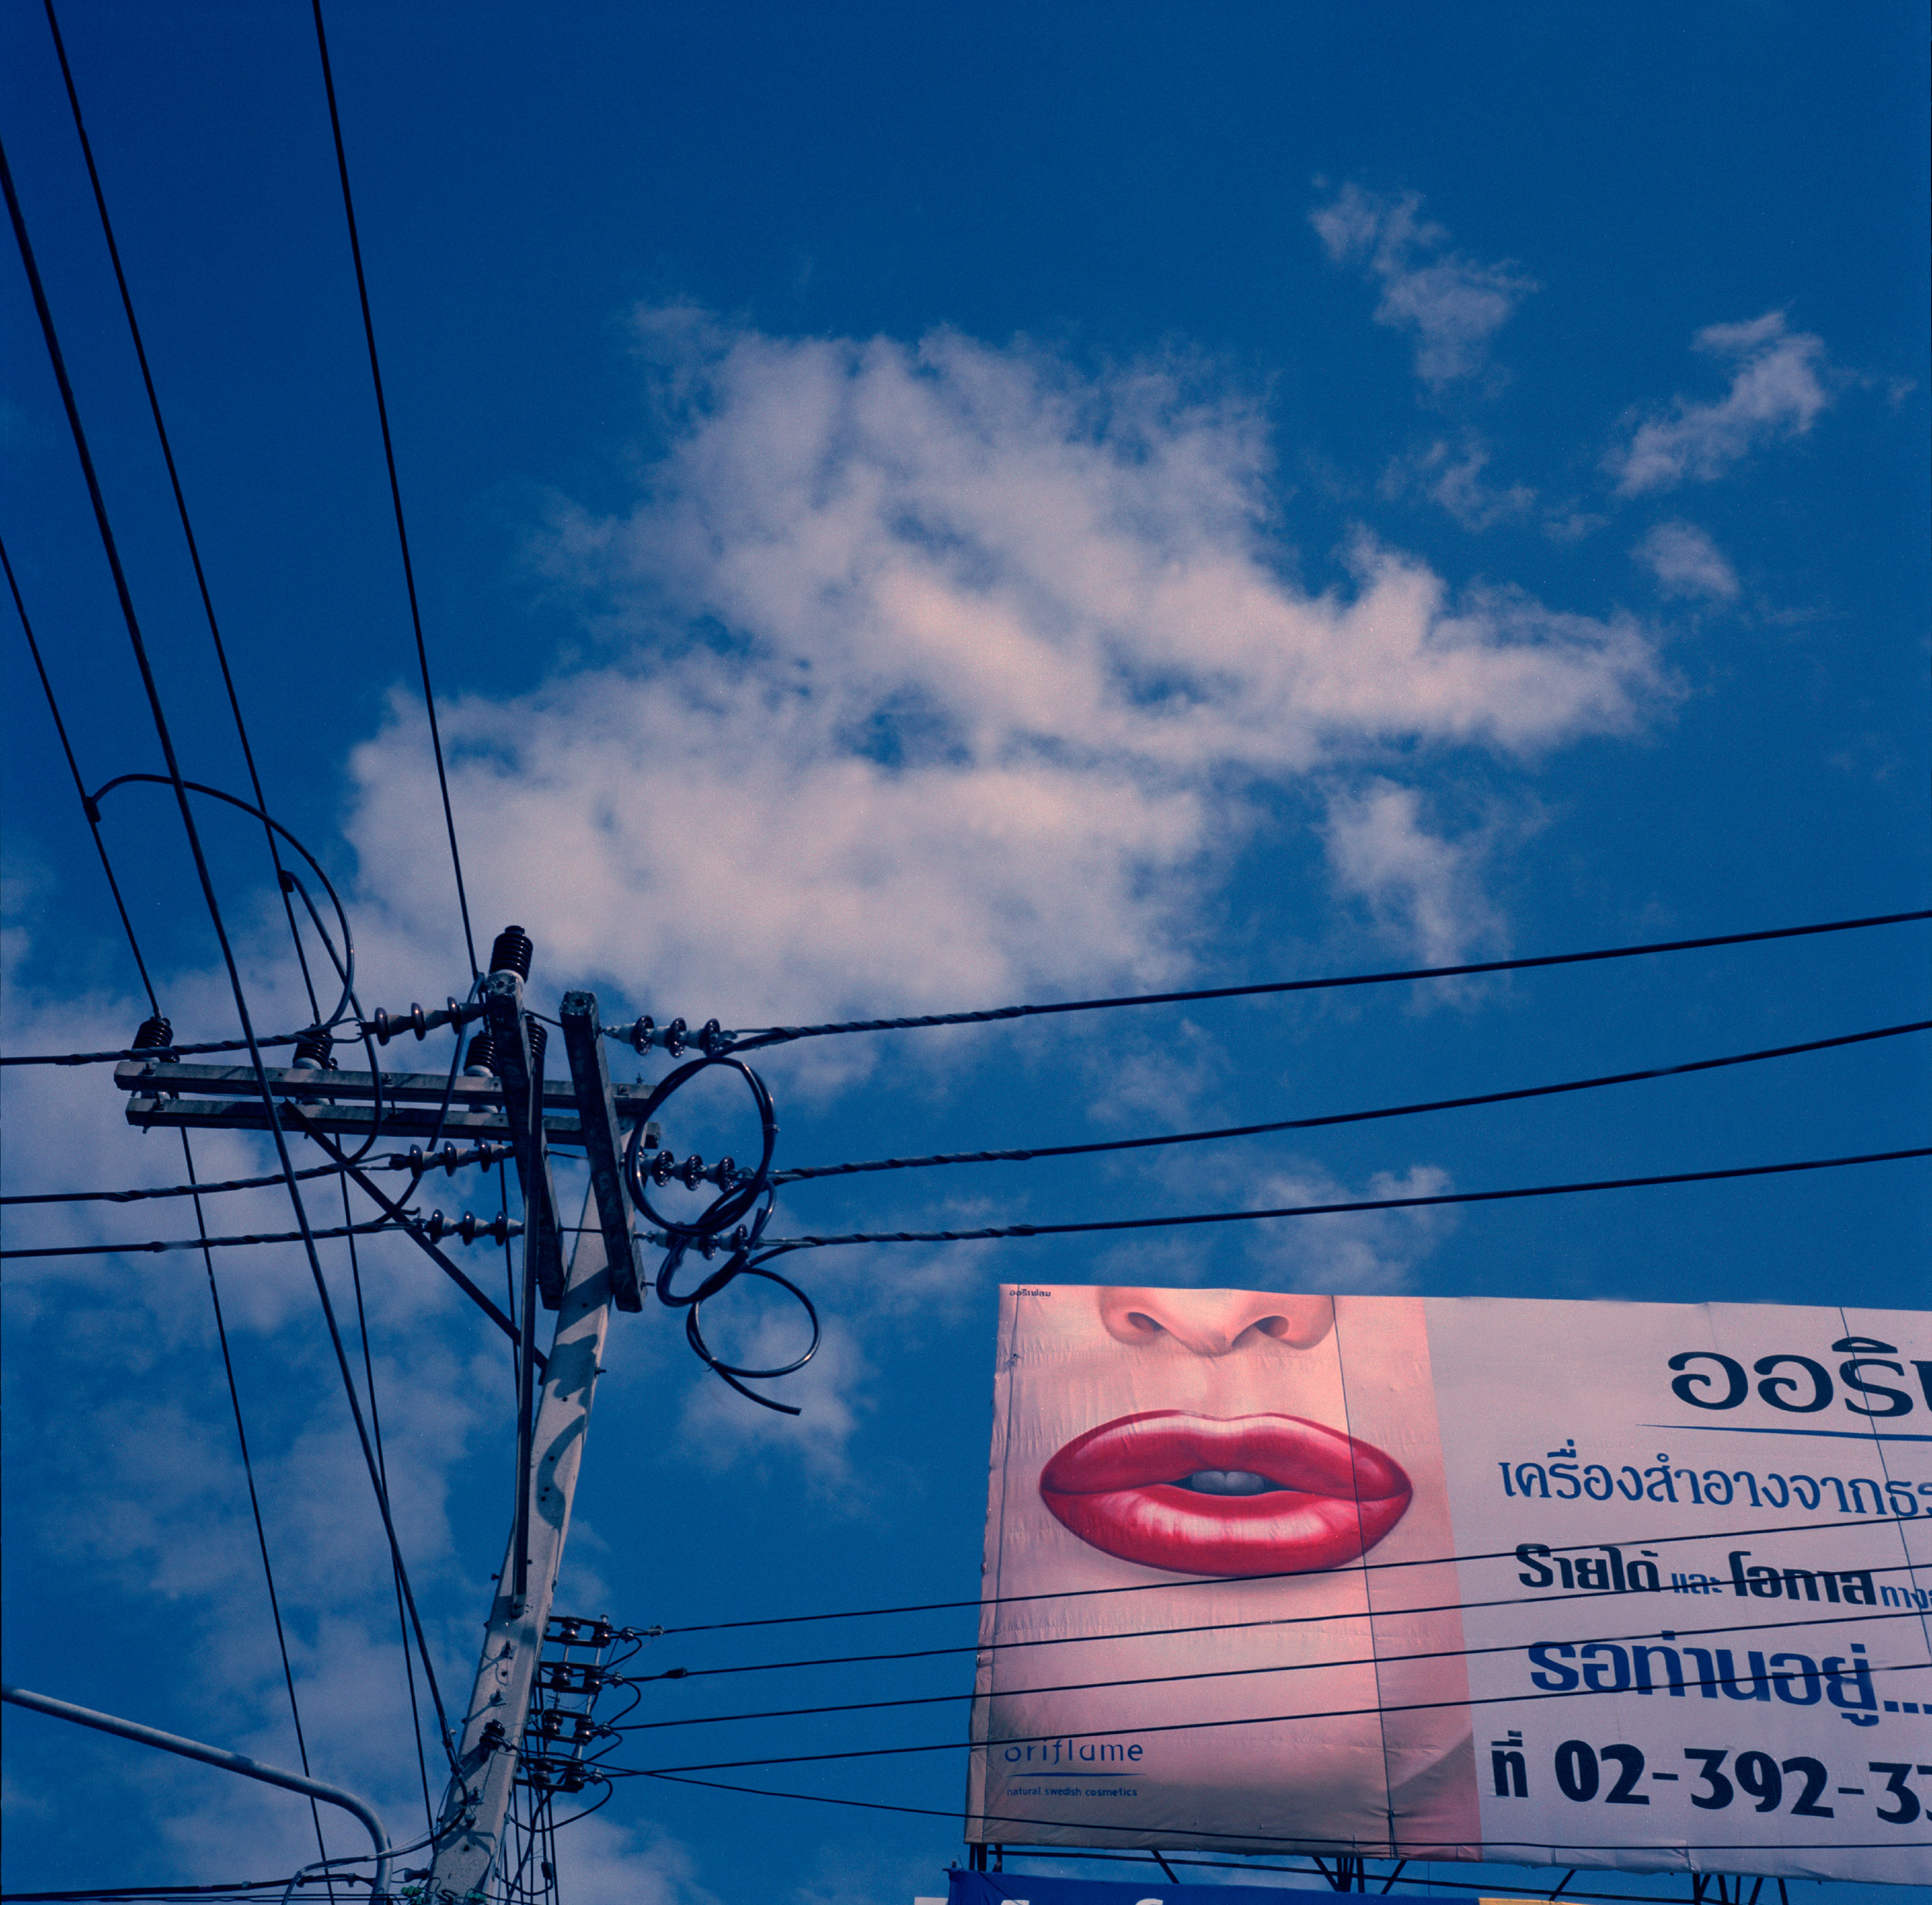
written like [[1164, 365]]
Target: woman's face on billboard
[[1215, 1445]]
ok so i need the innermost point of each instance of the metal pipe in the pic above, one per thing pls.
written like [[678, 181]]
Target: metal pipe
[[229, 1762]]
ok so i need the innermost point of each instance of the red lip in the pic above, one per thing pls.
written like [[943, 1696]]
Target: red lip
[[1121, 1487]]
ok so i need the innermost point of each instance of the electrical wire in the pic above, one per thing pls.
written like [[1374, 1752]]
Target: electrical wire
[[381, 1463], [1363, 1568], [624, 1036], [174, 479], [92, 810], [1180, 1726], [345, 966], [485, 1155], [173, 1050], [110, 549], [87, 805], [205, 1242], [394, 485], [254, 1500], [1302, 1838], [1345, 1118], [782, 1035], [777, 1246], [1832, 1617]]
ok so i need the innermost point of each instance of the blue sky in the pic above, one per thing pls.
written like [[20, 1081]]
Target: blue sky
[[918, 508]]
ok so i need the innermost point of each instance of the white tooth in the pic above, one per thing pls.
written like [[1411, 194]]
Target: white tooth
[[1229, 1481]]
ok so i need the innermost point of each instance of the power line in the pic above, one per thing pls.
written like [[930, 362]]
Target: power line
[[1068, 1150], [1832, 1617], [381, 1463], [781, 1034], [181, 500], [93, 814], [779, 1245], [175, 1049], [1344, 1117], [205, 1242], [88, 806], [254, 1500], [1181, 1726], [1300, 1839], [1362, 1567], [1211, 1627], [58, 363], [394, 485], [627, 1035]]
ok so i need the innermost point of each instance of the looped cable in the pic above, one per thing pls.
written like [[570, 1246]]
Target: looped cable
[[738, 1190], [731, 1372]]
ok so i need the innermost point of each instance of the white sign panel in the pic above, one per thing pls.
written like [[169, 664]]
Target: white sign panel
[[1640, 1586]]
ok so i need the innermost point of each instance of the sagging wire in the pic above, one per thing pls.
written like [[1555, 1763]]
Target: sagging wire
[[449, 1160], [645, 1032], [381, 1463], [1028, 1156], [998, 1232], [395, 483], [87, 805], [1728, 1682], [254, 1500], [174, 479], [368, 1228], [738, 1190], [1249, 1719]]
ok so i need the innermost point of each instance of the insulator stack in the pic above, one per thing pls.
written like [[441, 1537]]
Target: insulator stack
[[512, 952], [314, 1051], [155, 1035]]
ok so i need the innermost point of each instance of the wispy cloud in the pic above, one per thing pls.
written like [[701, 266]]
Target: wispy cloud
[[1687, 563], [1778, 388], [1427, 887], [1452, 303], [991, 655], [1453, 477]]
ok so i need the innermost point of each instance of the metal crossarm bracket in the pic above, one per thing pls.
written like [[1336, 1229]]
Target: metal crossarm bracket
[[597, 1119], [226, 1096], [509, 1036]]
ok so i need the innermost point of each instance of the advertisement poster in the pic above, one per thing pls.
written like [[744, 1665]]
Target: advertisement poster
[[1643, 1586]]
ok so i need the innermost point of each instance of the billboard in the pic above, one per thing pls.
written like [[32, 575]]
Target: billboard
[[1643, 1586]]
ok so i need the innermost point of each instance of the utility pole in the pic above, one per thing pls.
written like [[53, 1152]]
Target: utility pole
[[489, 1748], [502, 1094], [603, 1269]]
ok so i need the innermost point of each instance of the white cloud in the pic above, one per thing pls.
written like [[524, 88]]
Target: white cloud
[[1455, 481], [1427, 887], [993, 654], [1454, 304], [1778, 389], [1366, 1253], [1686, 562]]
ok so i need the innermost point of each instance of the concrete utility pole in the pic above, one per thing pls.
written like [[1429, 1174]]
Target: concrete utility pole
[[489, 1747]]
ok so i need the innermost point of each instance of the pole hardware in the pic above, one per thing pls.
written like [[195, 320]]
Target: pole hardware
[[490, 1756], [597, 1119], [226, 1097], [229, 1762], [509, 1030]]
